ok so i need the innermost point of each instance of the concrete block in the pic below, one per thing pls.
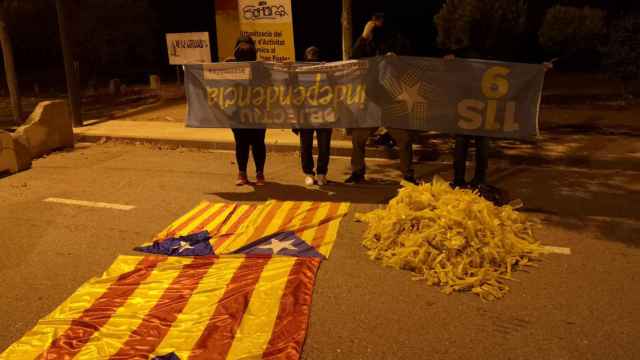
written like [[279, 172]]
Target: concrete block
[[47, 129], [14, 156], [154, 82], [114, 87]]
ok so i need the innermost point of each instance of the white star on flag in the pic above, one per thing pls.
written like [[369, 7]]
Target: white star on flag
[[183, 246], [411, 95], [276, 246]]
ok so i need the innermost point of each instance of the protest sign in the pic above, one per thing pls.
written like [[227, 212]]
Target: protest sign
[[188, 48], [473, 97]]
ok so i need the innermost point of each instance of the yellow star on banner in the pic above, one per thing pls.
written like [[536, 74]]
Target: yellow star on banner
[[411, 95]]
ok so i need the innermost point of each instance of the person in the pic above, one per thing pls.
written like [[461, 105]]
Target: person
[[377, 40], [323, 136], [248, 140], [461, 149]]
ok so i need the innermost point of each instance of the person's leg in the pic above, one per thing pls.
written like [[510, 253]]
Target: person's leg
[[259, 149], [242, 149], [405, 149], [482, 160], [460, 160], [306, 151], [359, 142], [324, 150]]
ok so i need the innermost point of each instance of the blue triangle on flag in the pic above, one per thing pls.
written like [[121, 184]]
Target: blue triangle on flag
[[190, 245], [283, 243]]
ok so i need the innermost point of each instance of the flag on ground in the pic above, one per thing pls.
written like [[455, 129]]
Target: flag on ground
[[234, 226], [181, 308]]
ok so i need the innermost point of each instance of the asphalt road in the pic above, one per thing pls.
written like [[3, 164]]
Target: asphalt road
[[581, 306]]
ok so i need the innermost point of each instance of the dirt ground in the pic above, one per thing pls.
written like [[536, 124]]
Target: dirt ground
[[580, 306]]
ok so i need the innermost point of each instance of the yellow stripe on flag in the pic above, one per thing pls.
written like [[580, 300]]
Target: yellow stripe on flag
[[54, 324], [187, 328], [332, 232], [252, 337], [166, 232], [193, 224], [129, 316], [216, 224], [308, 231]]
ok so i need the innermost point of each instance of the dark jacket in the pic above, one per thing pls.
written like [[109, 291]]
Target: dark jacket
[[381, 44]]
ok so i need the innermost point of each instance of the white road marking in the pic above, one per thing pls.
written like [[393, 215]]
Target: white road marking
[[558, 250], [90, 204]]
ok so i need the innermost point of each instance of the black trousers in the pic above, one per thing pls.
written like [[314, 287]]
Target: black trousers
[[460, 158], [324, 150], [250, 140]]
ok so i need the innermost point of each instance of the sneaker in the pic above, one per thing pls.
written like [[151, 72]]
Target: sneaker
[[355, 179], [308, 180], [322, 180], [242, 179], [260, 179]]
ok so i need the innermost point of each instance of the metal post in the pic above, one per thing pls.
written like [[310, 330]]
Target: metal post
[[72, 81], [347, 26], [9, 68]]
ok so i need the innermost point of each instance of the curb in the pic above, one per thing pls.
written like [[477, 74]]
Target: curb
[[340, 149]]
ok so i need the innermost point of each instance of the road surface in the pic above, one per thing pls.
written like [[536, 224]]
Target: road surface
[[580, 306]]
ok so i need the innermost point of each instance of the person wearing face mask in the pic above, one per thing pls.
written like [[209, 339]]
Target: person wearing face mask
[[248, 140], [319, 176], [378, 40]]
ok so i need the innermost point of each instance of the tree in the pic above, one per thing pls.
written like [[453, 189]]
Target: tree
[[114, 34], [567, 30], [9, 65], [622, 54], [489, 28]]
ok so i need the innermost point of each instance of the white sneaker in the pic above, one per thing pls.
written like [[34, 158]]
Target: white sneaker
[[322, 180], [308, 180]]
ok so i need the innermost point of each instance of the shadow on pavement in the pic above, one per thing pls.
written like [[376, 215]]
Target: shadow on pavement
[[576, 200], [374, 191]]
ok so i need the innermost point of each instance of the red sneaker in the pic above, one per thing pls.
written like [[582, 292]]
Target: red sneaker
[[260, 179], [242, 179]]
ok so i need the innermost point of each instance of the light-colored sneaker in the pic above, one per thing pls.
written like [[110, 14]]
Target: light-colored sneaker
[[322, 180], [308, 180]]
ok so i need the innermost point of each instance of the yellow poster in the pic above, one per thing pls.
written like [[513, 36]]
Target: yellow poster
[[268, 22]]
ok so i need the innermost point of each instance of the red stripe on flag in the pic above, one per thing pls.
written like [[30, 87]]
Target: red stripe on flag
[[260, 229], [212, 217], [305, 224], [290, 328], [186, 223], [323, 227], [235, 226], [156, 324], [217, 338], [78, 334], [288, 219]]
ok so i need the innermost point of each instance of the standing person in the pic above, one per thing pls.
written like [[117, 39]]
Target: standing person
[[248, 140], [481, 144], [377, 40], [323, 136]]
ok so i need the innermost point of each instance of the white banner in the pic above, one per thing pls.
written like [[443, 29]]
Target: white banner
[[189, 48]]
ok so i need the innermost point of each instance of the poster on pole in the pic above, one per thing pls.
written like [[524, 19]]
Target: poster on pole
[[189, 48], [268, 22]]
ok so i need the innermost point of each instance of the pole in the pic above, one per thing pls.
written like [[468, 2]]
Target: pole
[[347, 27], [72, 81], [10, 68]]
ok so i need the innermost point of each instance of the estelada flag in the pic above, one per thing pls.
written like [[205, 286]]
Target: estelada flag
[[232, 227], [147, 307]]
